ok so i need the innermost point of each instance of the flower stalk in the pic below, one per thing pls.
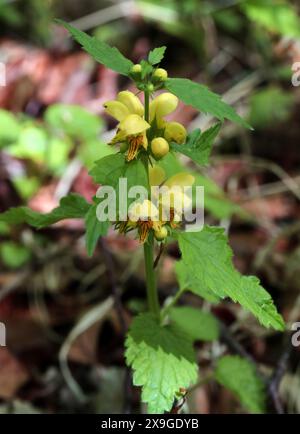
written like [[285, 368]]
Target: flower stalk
[[151, 280]]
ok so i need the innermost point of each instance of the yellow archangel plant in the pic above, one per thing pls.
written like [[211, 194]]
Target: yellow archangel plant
[[159, 343]]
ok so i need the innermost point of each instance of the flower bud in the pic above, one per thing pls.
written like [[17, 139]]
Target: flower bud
[[150, 88], [175, 132], [159, 147], [136, 71], [136, 68], [161, 233], [160, 74]]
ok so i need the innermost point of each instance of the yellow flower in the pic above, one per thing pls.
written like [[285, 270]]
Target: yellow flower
[[145, 216], [132, 127], [175, 132], [172, 199], [161, 106]]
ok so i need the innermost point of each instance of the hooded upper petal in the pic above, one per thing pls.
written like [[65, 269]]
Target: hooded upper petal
[[181, 179], [145, 210], [132, 102], [133, 124], [163, 105], [116, 109]]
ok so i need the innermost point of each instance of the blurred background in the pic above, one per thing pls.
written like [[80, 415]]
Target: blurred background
[[64, 350]]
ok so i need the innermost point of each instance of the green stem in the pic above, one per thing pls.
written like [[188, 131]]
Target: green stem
[[172, 303], [152, 296], [147, 103]]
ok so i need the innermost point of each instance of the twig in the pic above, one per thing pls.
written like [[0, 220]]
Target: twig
[[275, 380], [233, 344], [69, 176], [106, 15], [161, 250]]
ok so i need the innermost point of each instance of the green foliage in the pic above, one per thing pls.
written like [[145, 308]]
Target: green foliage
[[92, 151], [31, 143], [162, 359], [73, 121], [155, 56], [4, 228], [229, 19], [275, 15], [198, 325], [239, 376], [215, 272], [26, 186], [94, 229], [9, 128], [71, 206], [100, 51], [269, 106], [111, 168], [161, 355], [201, 98], [14, 255], [147, 68], [188, 282], [198, 145]]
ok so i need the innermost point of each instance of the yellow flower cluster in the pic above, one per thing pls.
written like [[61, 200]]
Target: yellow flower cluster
[[133, 130], [134, 133], [167, 210]]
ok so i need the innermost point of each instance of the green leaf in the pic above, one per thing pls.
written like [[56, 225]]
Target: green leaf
[[171, 165], [187, 282], [156, 55], [163, 361], [239, 376], [31, 144], [198, 145], [4, 228], [14, 255], [71, 206], [94, 229], [146, 68], [93, 150], [199, 325], [276, 16], [214, 271], [100, 51], [74, 121], [9, 128], [26, 186], [111, 168], [201, 98]]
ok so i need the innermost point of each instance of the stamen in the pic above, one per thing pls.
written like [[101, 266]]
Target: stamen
[[122, 227], [134, 144], [144, 228]]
